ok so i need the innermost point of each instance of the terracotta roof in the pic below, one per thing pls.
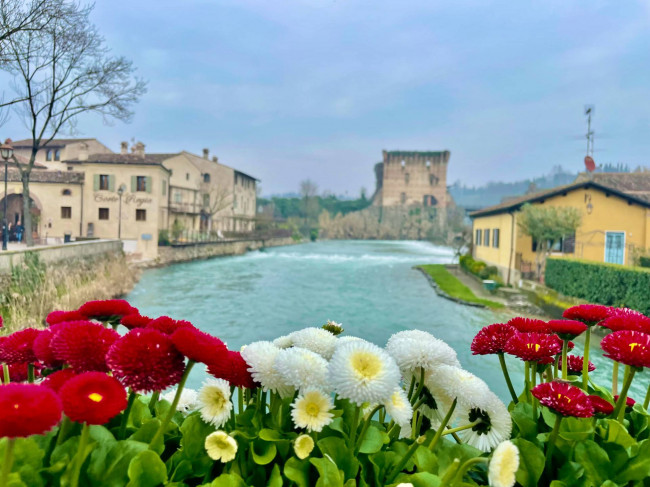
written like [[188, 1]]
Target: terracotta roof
[[60, 177], [161, 157], [247, 175], [53, 143], [631, 183], [516, 203], [133, 159]]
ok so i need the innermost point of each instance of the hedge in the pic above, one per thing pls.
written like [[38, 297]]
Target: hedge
[[608, 284]]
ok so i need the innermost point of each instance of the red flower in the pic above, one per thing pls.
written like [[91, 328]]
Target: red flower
[[629, 402], [93, 398], [135, 320], [589, 314], [627, 321], [56, 379], [43, 350], [624, 312], [567, 329], [601, 406], [533, 346], [19, 372], [492, 339], [198, 346], [62, 316], [575, 363], [146, 360], [2, 323], [545, 361], [167, 325], [18, 347], [529, 325], [571, 346], [628, 347], [233, 368], [564, 399], [107, 310], [27, 409], [83, 345]]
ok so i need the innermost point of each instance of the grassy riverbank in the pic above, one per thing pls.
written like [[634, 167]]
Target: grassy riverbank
[[450, 285]]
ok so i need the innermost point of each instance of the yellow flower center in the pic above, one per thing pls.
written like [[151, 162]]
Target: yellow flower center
[[367, 365], [396, 399], [632, 345], [95, 397], [537, 346], [312, 409], [559, 396]]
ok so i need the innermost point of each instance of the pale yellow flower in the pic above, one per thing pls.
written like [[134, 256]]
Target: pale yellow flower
[[303, 446], [504, 465], [221, 446], [214, 402], [311, 410]]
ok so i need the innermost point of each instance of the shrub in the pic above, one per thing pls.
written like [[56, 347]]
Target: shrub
[[644, 261], [163, 238], [608, 284]]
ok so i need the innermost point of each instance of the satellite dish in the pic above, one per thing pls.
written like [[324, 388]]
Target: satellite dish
[[590, 164]]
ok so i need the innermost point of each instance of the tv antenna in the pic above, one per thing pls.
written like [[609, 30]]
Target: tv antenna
[[589, 158]]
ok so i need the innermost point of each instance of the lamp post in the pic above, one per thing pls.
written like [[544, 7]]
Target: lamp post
[[7, 152], [120, 191]]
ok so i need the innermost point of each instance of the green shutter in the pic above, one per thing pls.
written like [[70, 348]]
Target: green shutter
[[147, 184], [111, 183], [134, 184], [96, 182]]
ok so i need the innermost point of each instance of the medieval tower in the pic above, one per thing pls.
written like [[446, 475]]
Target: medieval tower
[[407, 178]]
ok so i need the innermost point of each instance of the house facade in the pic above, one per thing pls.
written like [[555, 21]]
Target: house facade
[[615, 225]]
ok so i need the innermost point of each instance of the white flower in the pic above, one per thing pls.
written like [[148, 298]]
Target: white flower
[[405, 484], [187, 402], [284, 341], [415, 349], [363, 372], [398, 407], [494, 424], [317, 340], [260, 356], [458, 383], [214, 402], [303, 446], [437, 402], [301, 368], [221, 446], [311, 410], [504, 465], [347, 339]]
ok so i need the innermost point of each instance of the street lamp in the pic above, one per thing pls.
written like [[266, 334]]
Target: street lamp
[[120, 191], [7, 152]]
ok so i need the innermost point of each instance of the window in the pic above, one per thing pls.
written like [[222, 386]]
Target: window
[[486, 237], [141, 183], [432, 180], [403, 198], [478, 237], [66, 212], [569, 244], [206, 178], [187, 176], [48, 155], [495, 238], [140, 215], [178, 197], [66, 192], [103, 182], [103, 213], [406, 177], [164, 188], [57, 154]]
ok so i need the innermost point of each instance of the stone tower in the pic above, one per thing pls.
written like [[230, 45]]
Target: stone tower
[[408, 178]]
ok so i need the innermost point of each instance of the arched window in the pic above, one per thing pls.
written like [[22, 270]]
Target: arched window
[[206, 178], [66, 192]]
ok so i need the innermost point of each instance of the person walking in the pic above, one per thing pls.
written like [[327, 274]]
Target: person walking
[[19, 232]]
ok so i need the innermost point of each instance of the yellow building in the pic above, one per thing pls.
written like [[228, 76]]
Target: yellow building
[[615, 224]]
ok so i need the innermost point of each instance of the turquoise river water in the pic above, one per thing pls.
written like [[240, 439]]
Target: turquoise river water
[[368, 286]]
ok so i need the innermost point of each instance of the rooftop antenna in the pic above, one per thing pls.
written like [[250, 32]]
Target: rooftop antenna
[[589, 158]]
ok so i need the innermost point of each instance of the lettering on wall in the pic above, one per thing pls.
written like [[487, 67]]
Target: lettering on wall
[[127, 199]]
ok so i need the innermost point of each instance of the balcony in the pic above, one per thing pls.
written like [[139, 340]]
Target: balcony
[[188, 208]]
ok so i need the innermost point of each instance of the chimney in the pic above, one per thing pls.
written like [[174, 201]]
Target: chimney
[[138, 149], [215, 159], [83, 152], [206, 153], [124, 147]]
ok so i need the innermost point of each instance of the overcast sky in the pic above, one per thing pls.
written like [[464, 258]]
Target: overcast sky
[[294, 89]]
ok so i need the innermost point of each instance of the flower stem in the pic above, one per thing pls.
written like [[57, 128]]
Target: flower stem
[[172, 408], [411, 387], [66, 424], [404, 460], [5, 373], [466, 466], [467, 426], [615, 379], [366, 424], [30, 373], [585, 362], [153, 401], [506, 375], [420, 387], [619, 410], [527, 378], [7, 462], [443, 425], [646, 402], [555, 366], [532, 386], [80, 457], [125, 415], [565, 364], [450, 473], [552, 438], [415, 406], [354, 426], [240, 399]]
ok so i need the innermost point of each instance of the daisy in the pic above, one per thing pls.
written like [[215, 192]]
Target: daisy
[[492, 339], [564, 399], [503, 465], [214, 402], [399, 408], [303, 446], [492, 423], [363, 372], [301, 368], [437, 402], [283, 341], [462, 385], [317, 340], [188, 401], [415, 349], [221, 446], [260, 356], [311, 410]]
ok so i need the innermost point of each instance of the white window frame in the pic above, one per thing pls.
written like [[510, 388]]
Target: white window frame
[[624, 244]]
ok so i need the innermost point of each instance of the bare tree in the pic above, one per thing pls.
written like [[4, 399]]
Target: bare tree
[[309, 202], [61, 71], [28, 15], [219, 198]]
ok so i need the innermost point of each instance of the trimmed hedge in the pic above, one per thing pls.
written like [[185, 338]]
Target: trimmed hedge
[[608, 284]]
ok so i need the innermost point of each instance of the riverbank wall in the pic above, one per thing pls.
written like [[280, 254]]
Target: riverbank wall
[[205, 250], [35, 281]]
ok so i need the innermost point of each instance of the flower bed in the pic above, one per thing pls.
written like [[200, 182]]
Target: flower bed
[[97, 398]]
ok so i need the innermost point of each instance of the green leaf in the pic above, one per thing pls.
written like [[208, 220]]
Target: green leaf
[[276, 436], [192, 449], [146, 470], [531, 463], [329, 474], [576, 429], [263, 452], [570, 473], [522, 416], [146, 433], [594, 460], [420, 479], [373, 440], [28, 461], [140, 413], [638, 467], [448, 452], [110, 468], [275, 480], [425, 460], [338, 425], [616, 433], [297, 471], [228, 480], [337, 449]]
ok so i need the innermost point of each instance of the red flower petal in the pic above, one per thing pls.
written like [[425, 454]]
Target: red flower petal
[[589, 314], [83, 345], [533, 346], [167, 325], [564, 399], [106, 310], [601, 406], [62, 316], [93, 398], [628, 347], [18, 347], [529, 325], [567, 329], [56, 379], [27, 409], [627, 321], [575, 363], [197, 345], [135, 320], [492, 339], [233, 368]]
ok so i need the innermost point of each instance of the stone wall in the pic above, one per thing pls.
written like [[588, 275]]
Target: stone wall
[[184, 253]]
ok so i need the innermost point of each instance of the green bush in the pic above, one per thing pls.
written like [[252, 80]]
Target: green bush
[[608, 284], [644, 261]]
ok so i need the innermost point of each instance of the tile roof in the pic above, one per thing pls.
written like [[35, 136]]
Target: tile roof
[[117, 159], [60, 177], [53, 143], [631, 183]]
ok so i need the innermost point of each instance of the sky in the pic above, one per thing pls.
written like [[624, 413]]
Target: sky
[[287, 90]]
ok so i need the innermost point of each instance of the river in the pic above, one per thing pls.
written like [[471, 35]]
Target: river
[[368, 286]]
